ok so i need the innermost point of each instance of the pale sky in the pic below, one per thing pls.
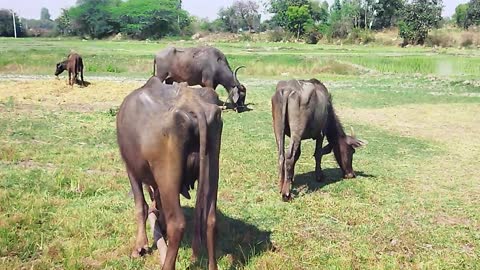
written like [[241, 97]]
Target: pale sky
[[201, 8]]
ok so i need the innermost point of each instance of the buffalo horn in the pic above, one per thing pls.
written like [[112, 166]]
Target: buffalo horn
[[236, 70], [352, 132]]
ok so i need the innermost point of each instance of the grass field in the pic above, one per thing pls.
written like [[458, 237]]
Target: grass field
[[64, 200]]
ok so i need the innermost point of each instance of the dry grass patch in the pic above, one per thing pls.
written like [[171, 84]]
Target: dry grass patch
[[54, 94], [444, 123]]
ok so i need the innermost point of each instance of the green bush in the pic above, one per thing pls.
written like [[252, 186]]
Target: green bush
[[340, 29], [312, 34], [361, 36], [278, 34]]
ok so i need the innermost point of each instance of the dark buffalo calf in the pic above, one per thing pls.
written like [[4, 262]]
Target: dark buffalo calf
[[74, 66]]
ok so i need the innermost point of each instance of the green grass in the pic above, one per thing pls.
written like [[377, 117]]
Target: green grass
[[414, 204], [135, 58]]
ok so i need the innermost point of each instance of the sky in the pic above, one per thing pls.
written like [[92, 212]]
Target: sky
[[202, 8]]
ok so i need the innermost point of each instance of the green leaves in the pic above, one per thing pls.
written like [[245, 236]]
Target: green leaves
[[417, 19]]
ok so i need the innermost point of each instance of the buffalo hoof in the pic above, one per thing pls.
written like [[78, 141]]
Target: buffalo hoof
[[287, 197], [139, 252], [349, 176]]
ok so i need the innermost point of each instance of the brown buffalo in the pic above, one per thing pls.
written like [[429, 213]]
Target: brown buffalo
[[169, 136], [74, 66], [205, 66], [302, 109]]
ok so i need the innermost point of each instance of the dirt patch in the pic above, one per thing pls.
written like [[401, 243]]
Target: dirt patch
[[444, 123], [56, 94]]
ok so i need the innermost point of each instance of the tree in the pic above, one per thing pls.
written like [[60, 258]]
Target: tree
[[387, 13], [94, 17], [6, 24], [242, 14], [64, 23], [247, 11], [418, 18], [151, 18], [44, 14], [473, 13], [297, 18], [319, 11], [460, 16], [279, 9]]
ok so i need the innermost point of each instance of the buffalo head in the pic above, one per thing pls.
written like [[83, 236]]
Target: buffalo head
[[239, 92], [343, 151], [62, 66]]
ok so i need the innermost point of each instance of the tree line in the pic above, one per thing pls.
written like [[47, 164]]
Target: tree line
[[307, 19]]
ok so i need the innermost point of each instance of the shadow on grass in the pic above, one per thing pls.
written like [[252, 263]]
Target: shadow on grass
[[230, 106], [85, 83], [236, 239], [331, 175]]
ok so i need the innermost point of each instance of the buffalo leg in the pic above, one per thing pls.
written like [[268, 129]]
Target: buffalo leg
[[141, 210], [69, 78], [213, 170], [81, 76], [157, 224], [318, 159], [292, 157], [167, 175]]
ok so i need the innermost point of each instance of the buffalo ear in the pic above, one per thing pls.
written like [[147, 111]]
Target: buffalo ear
[[235, 96], [355, 143]]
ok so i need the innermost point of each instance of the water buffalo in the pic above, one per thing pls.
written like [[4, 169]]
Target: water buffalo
[[205, 66], [169, 136], [74, 65], [302, 109]]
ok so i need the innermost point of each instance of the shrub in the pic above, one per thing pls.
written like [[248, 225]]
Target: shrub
[[340, 29], [278, 34], [438, 38], [467, 39], [361, 36], [246, 37], [312, 34]]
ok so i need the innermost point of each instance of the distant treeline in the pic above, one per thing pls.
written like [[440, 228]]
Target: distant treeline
[[303, 19]]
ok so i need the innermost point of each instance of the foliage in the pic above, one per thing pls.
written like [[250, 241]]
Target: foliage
[[439, 38], [460, 15], [93, 17], [6, 24], [136, 18], [278, 34], [297, 18], [319, 11], [473, 13], [361, 36], [151, 18], [418, 18], [299, 15], [279, 9], [387, 13], [313, 33], [242, 14], [64, 23]]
